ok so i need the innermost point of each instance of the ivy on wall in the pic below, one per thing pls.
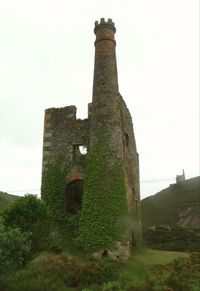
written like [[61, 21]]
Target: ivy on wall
[[65, 225], [104, 200], [53, 186]]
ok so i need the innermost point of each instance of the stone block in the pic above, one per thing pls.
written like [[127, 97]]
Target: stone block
[[46, 144], [48, 134]]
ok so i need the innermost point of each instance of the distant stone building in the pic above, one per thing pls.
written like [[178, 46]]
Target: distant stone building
[[73, 138], [180, 178]]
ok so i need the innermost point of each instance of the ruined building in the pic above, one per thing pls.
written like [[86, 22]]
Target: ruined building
[[72, 139], [180, 178]]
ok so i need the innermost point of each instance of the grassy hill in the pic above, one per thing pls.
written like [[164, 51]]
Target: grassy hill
[[179, 204], [6, 199]]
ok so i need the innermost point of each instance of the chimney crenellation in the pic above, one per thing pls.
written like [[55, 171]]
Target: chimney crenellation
[[103, 23]]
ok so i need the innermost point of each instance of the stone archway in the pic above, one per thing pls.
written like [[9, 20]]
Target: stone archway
[[73, 196]]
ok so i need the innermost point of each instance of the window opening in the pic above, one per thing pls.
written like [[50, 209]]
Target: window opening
[[79, 151], [83, 149]]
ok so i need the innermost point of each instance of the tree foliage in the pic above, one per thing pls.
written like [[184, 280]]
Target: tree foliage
[[14, 248], [31, 215]]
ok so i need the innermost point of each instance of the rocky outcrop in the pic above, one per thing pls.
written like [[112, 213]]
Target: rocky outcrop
[[190, 217]]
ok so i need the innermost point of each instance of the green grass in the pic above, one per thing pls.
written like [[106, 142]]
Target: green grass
[[152, 257], [136, 268]]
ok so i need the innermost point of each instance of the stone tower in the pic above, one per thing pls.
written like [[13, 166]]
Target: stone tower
[[71, 140]]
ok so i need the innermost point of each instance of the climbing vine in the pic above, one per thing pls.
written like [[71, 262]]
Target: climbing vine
[[104, 199], [53, 185], [65, 225]]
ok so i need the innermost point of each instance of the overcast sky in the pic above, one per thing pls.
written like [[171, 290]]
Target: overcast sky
[[47, 60]]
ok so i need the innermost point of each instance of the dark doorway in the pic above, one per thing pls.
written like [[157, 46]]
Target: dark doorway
[[74, 193]]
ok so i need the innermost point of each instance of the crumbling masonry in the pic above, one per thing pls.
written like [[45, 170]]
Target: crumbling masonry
[[108, 115]]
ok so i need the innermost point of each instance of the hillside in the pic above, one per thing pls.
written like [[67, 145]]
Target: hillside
[[179, 204], [6, 199]]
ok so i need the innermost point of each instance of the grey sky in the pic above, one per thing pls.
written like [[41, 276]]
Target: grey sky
[[46, 60]]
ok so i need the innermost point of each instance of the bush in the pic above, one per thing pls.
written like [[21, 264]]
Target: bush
[[195, 258], [14, 248], [31, 215], [181, 274], [62, 272], [173, 239], [32, 279], [112, 286], [76, 272]]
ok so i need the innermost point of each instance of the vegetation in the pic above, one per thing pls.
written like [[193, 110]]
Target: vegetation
[[61, 272], [167, 205], [37, 239], [53, 186], [21, 271], [30, 215], [181, 274], [14, 248], [6, 199], [104, 200], [173, 238], [99, 227], [140, 273], [65, 225]]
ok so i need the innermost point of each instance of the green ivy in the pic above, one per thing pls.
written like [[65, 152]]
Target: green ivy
[[104, 199], [65, 225], [53, 186]]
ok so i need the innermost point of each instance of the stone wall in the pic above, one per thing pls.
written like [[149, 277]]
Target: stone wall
[[131, 160], [63, 134]]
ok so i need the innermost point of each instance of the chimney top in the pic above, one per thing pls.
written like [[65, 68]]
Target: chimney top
[[103, 23]]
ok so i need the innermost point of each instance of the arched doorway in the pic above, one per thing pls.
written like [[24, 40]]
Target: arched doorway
[[73, 195]]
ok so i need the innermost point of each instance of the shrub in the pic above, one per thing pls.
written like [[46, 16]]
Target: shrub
[[112, 286], [76, 272], [62, 272], [31, 215], [14, 248], [181, 274], [173, 239], [32, 279], [195, 258]]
